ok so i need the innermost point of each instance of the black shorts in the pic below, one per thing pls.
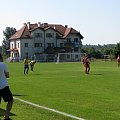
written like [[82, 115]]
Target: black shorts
[[26, 67], [6, 94]]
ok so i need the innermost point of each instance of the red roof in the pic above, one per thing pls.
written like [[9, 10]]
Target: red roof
[[24, 32]]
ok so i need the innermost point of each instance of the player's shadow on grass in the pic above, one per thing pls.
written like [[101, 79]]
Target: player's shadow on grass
[[2, 112], [18, 95], [35, 74], [97, 74]]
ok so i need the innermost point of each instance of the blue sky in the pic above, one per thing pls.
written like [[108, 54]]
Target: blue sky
[[97, 20]]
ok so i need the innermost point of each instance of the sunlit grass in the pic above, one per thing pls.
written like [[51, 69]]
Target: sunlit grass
[[66, 88]]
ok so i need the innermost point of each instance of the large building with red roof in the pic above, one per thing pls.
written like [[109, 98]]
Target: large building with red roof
[[40, 39]]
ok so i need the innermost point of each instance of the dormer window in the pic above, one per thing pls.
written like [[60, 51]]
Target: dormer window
[[49, 35], [38, 35], [75, 39], [68, 39]]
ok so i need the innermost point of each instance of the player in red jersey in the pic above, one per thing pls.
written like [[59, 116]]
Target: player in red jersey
[[118, 60], [86, 64]]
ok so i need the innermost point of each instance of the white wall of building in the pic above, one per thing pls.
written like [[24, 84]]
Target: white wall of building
[[44, 41]]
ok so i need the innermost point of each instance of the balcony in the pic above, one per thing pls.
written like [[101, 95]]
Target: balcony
[[72, 44]]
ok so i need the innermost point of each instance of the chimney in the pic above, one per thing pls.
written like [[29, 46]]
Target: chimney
[[28, 23], [45, 24], [39, 23], [54, 27], [66, 26], [24, 24]]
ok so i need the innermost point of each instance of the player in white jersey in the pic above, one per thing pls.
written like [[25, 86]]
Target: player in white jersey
[[5, 92]]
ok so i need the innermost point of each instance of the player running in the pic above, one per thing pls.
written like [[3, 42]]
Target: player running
[[86, 64], [26, 65]]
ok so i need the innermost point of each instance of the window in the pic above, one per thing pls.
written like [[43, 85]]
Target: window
[[36, 53], [38, 35], [76, 56], [75, 39], [61, 44], [52, 44], [38, 45], [76, 49], [26, 44], [68, 39], [68, 56], [49, 44], [18, 45], [26, 54], [12, 45], [49, 35]]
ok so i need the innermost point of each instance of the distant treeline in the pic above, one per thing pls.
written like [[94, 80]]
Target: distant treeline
[[98, 51]]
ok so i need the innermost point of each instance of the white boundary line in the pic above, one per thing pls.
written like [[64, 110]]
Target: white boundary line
[[50, 109]]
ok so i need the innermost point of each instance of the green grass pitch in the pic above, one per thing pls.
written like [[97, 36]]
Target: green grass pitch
[[66, 88]]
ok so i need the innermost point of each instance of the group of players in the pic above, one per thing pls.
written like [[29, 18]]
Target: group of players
[[26, 62], [86, 64], [26, 65]]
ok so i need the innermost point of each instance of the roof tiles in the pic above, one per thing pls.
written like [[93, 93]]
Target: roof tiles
[[24, 32]]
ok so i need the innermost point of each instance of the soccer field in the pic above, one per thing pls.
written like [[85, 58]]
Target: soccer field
[[65, 88]]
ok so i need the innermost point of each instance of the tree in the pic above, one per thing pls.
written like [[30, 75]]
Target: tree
[[117, 49], [98, 51], [9, 31]]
